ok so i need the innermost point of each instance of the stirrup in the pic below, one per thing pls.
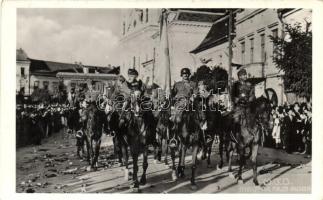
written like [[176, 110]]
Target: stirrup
[[173, 143]]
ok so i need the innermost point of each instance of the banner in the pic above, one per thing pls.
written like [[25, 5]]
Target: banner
[[163, 75]]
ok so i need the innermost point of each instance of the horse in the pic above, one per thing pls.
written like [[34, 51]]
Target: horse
[[113, 113], [166, 139], [250, 130], [213, 131], [189, 132], [93, 129], [140, 132]]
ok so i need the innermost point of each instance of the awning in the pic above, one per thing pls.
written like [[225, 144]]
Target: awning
[[255, 81]]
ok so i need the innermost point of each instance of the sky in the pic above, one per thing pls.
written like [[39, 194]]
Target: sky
[[90, 36]]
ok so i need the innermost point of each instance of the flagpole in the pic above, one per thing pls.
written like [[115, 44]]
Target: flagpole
[[164, 33], [230, 58]]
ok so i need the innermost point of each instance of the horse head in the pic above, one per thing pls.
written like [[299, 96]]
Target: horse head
[[262, 108]]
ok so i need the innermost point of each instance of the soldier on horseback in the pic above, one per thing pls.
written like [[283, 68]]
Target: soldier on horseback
[[182, 92], [243, 93]]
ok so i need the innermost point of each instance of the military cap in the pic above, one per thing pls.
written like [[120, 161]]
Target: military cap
[[185, 71], [242, 72], [132, 71]]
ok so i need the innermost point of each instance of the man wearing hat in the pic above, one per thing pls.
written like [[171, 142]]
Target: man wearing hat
[[132, 86], [182, 92], [243, 93]]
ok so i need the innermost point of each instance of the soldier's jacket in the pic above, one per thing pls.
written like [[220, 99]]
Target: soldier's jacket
[[242, 93], [184, 89], [126, 88]]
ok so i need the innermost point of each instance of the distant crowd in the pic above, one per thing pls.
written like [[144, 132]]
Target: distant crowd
[[292, 130]]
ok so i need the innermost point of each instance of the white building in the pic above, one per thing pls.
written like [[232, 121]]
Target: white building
[[140, 39], [252, 46], [22, 72]]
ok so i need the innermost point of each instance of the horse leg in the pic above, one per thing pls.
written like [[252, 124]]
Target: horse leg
[[241, 163], [88, 149], [143, 179], [97, 145], [135, 172], [181, 166], [174, 175], [194, 159], [221, 152], [254, 162], [165, 147], [125, 161], [209, 155], [230, 150]]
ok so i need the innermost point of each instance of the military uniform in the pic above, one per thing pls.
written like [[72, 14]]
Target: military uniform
[[243, 93], [182, 92]]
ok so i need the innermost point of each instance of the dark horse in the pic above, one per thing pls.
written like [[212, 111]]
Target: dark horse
[[140, 132], [253, 122], [93, 126], [213, 129], [166, 139], [117, 131], [189, 132]]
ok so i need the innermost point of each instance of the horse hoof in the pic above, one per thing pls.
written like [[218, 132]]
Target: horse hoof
[[193, 187], [135, 190], [240, 182], [200, 156], [256, 182], [126, 174], [218, 167], [231, 175], [155, 161], [143, 181], [89, 168], [174, 177]]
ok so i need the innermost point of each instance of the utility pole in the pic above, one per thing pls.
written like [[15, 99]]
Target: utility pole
[[230, 57]]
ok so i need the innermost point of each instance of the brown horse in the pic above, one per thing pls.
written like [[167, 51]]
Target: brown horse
[[189, 133], [140, 132], [249, 134], [166, 140], [93, 125]]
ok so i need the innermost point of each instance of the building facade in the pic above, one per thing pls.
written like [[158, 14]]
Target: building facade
[[253, 48], [22, 72], [32, 74], [140, 41]]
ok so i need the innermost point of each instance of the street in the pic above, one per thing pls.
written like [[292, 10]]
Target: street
[[54, 168]]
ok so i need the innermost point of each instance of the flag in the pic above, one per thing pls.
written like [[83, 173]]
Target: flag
[[163, 77]]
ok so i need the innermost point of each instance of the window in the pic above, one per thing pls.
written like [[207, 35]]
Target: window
[[124, 28], [251, 49], [22, 71], [243, 49], [275, 35], [262, 47], [45, 84], [146, 15], [36, 84]]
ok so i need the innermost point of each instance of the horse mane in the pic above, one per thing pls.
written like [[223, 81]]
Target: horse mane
[[256, 104]]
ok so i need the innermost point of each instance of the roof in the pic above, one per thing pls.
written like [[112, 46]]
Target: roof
[[21, 55], [199, 15], [82, 76], [217, 35], [50, 68]]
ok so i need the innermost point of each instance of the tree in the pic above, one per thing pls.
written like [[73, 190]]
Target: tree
[[294, 57]]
